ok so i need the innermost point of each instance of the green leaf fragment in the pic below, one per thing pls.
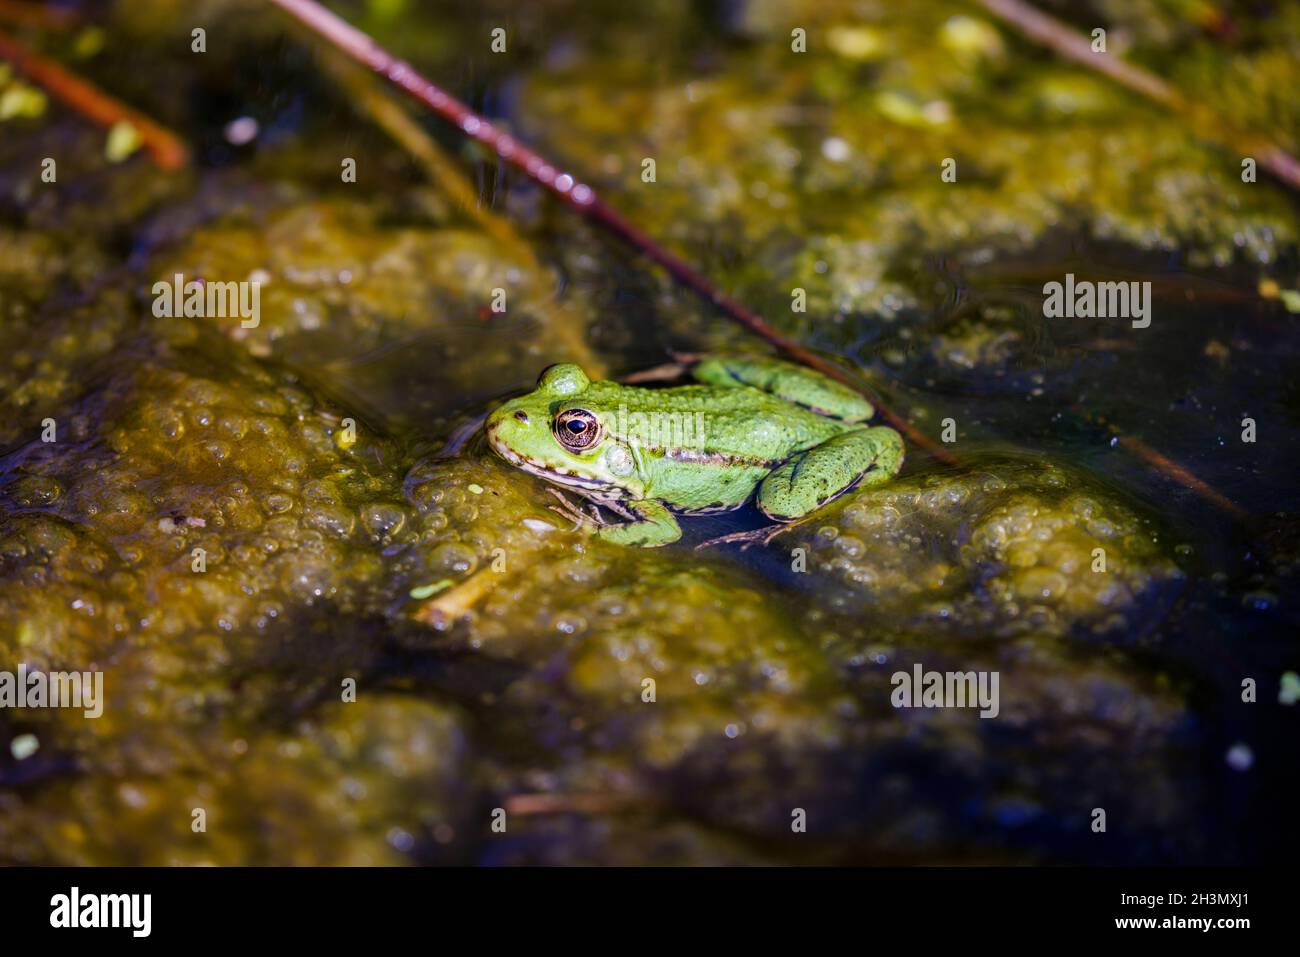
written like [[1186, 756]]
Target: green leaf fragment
[[426, 591], [1289, 693], [89, 42], [21, 100], [123, 140]]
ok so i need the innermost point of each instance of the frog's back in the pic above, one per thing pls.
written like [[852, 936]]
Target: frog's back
[[698, 422]]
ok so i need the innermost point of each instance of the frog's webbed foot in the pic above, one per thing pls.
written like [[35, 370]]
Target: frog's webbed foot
[[574, 513]]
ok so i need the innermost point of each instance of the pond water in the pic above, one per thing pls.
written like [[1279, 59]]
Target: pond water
[[333, 627]]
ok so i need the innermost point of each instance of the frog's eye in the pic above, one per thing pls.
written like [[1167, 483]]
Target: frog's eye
[[577, 429]]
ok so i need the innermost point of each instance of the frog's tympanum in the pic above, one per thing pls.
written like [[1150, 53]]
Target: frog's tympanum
[[752, 425]]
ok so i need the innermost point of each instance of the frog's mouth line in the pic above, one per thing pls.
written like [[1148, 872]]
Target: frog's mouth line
[[592, 488]]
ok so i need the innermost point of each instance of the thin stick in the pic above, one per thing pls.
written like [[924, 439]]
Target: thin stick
[[35, 15], [379, 104], [389, 114], [167, 149], [1074, 46], [1176, 471], [578, 196], [528, 805]]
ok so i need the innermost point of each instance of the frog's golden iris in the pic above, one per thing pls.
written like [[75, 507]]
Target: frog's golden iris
[[578, 429]]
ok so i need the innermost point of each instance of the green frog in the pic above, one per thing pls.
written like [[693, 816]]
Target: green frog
[[759, 428]]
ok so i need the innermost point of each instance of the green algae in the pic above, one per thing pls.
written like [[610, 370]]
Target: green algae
[[374, 308], [776, 144], [1006, 548]]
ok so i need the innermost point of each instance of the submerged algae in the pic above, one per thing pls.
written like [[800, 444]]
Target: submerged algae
[[740, 695], [759, 155], [380, 310], [361, 784]]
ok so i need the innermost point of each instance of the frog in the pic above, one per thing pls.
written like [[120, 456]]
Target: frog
[[747, 428]]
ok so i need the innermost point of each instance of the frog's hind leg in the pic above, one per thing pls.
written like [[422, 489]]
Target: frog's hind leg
[[812, 478], [787, 381]]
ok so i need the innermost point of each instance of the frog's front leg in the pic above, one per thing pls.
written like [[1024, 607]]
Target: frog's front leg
[[788, 381], [654, 525], [812, 478]]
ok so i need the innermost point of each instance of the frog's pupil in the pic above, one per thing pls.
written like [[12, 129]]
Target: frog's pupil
[[576, 425]]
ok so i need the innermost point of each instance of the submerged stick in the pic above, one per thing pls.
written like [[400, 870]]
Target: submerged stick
[[378, 104], [1069, 44], [589, 802], [381, 107], [166, 149], [1176, 471]]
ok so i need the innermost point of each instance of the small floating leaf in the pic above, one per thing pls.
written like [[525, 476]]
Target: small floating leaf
[[856, 42], [1289, 693], [89, 42], [24, 746], [426, 591], [123, 140], [21, 100]]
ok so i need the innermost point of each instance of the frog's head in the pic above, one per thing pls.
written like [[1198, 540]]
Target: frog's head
[[560, 432]]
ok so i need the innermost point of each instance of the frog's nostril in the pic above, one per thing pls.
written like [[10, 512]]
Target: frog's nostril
[[522, 416]]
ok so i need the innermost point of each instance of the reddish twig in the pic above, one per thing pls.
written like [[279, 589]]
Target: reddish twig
[[1171, 468], [167, 150], [25, 14], [1071, 45], [529, 805], [1162, 463], [578, 196]]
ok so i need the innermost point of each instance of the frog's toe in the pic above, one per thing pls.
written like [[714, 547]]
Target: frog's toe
[[747, 539], [572, 512]]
